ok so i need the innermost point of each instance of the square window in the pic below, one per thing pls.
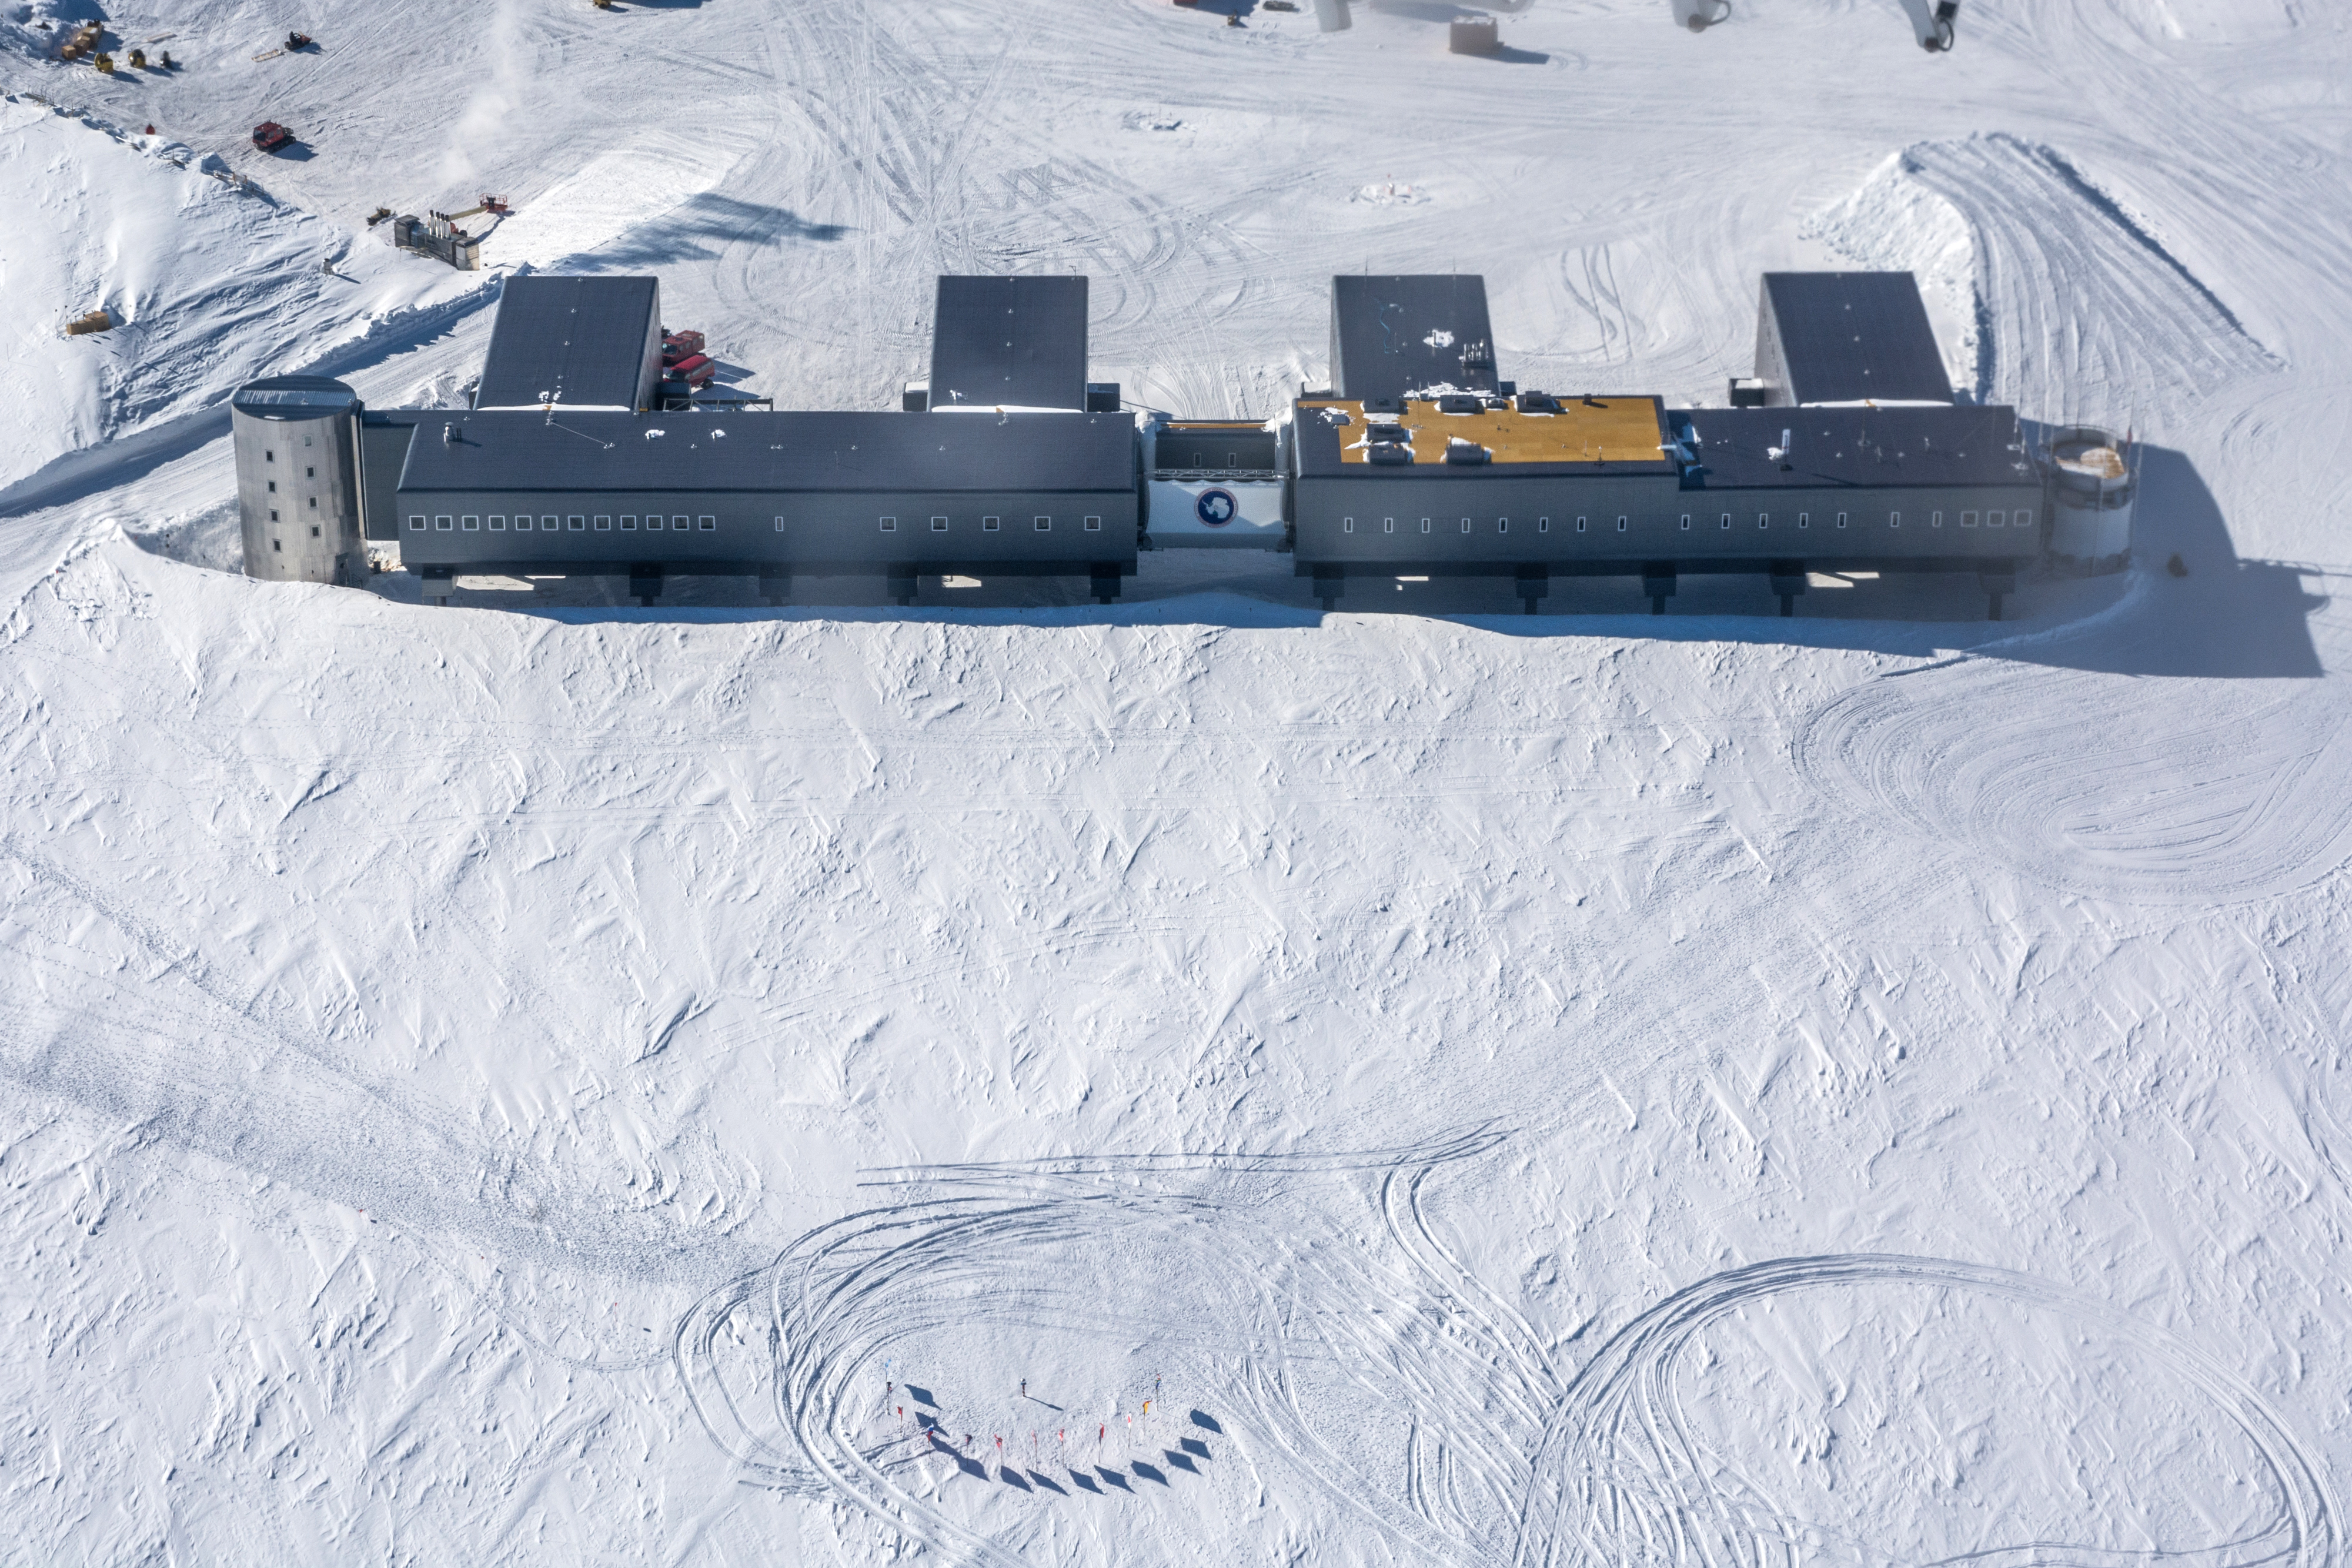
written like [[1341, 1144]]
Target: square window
[[653, 522], [1993, 519], [522, 522], [497, 524], [549, 525], [577, 523], [1094, 525], [471, 525], [1841, 520], [989, 525], [1686, 522], [442, 523], [889, 525], [939, 525], [1967, 519], [1804, 519], [273, 517], [1347, 525], [707, 523], [1043, 524], [1621, 525], [415, 524], [314, 530], [604, 525], [2024, 519], [628, 522], [676, 523]]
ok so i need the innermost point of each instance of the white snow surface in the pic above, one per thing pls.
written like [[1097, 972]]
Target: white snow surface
[[548, 1081]]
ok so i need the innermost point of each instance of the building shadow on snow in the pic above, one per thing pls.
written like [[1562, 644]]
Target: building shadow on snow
[[698, 228]]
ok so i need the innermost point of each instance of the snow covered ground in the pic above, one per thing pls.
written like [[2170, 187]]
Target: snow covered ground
[[551, 1082]]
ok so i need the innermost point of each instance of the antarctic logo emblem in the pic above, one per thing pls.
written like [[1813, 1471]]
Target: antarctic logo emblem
[[1217, 507]]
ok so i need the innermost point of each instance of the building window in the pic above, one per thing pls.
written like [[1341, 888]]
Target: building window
[[1094, 525], [653, 522], [1347, 525], [273, 486], [1424, 525], [498, 523], [628, 522], [471, 525], [604, 525], [274, 546], [889, 525], [1502, 525], [1466, 525], [1621, 525], [1388, 525], [989, 525], [310, 472], [416, 523], [1543, 524], [1763, 520], [1727, 519], [522, 522], [1686, 522], [1894, 519], [268, 456], [780, 524], [1967, 519], [676, 523], [1804, 519], [939, 525], [1043, 524], [2024, 518], [1580, 525], [273, 516], [1935, 519], [1993, 519], [442, 523], [305, 441], [1841, 520], [707, 523], [314, 530], [577, 523], [549, 525]]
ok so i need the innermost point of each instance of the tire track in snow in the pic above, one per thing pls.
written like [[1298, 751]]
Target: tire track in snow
[[2093, 782], [1622, 1479], [777, 1364]]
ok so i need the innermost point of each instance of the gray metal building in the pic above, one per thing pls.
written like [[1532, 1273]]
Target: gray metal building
[[1846, 336], [583, 342], [296, 440], [1401, 333]]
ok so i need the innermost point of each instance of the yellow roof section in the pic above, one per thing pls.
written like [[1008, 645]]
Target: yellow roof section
[[1585, 429]]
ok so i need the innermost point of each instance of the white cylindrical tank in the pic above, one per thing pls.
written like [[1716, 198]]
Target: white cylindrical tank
[[1332, 17], [297, 480], [2091, 497]]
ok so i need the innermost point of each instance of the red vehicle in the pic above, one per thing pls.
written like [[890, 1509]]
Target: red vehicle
[[679, 346], [695, 370], [269, 136]]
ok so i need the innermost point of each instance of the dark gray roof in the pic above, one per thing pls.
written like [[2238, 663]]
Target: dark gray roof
[[294, 397], [579, 340], [1016, 342], [1396, 334], [751, 451], [1846, 447], [1846, 336]]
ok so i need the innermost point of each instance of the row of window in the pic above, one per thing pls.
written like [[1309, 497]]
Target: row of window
[[987, 524], [2024, 519], [580, 523]]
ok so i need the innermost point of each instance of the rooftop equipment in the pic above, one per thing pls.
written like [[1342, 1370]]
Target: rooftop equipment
[[583, 342], [1009, 343]]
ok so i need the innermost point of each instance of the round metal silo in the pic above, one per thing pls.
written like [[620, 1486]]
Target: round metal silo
[[1331, 16], [297, 480], [2092, 490]]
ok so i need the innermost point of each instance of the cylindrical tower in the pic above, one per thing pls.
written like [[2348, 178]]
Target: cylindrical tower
[[297, 480], [2090, 495]]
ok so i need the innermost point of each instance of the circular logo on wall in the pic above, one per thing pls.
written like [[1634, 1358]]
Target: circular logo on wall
[[1216, 508]]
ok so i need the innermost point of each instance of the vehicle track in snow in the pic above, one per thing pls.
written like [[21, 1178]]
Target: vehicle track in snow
[[1622, 1479], [2093, 782]]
